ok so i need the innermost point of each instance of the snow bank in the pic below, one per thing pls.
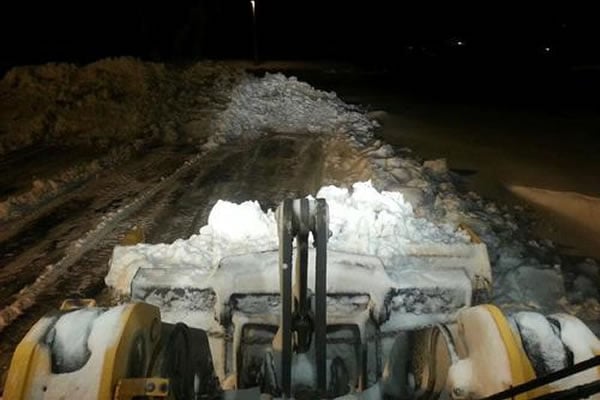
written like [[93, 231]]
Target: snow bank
[[61, 102], [362, 220], [280, 104], [115, 100]]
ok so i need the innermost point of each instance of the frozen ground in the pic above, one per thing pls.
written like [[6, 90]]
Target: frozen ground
[[170, 142]]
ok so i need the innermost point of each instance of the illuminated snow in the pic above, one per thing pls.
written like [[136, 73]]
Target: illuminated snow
[[362, 221], [276, 103]]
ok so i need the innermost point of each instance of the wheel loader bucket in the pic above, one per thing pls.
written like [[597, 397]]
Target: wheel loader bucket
[[315, 321], [368, 303]]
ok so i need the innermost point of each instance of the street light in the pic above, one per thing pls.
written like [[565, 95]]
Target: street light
[[254, 33]]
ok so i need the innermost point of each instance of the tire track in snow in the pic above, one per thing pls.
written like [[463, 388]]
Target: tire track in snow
[[26, 248], [52, 273], [83, 279]]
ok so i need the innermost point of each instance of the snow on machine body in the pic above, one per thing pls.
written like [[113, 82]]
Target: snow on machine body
[[315, 324]]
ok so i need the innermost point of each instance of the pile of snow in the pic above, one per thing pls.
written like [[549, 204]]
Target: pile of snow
[[68, 104], [362, 221], [276, 103], [115, 100], [366, 221]]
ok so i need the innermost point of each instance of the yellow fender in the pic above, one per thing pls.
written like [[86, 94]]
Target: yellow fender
[[520, 367], [133, 334], [492, 359]]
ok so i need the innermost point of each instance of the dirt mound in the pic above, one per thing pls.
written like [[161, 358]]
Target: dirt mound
[[109, 101]]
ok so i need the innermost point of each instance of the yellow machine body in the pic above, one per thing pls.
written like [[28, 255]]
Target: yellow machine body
[[478, 355], [482, 353], [129, 335]]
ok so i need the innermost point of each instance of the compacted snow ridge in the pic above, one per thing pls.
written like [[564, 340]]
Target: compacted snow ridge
[[279, 104]]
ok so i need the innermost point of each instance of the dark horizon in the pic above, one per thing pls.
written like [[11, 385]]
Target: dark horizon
[[374, 33]]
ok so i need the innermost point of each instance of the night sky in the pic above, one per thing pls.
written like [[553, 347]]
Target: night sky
[[367, 32]]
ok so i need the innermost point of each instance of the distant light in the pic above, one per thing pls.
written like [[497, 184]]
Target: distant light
[[547, 49], [252, 2], [460, 43]]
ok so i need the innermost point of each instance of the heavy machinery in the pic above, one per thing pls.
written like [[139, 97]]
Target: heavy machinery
[[309, 324]]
